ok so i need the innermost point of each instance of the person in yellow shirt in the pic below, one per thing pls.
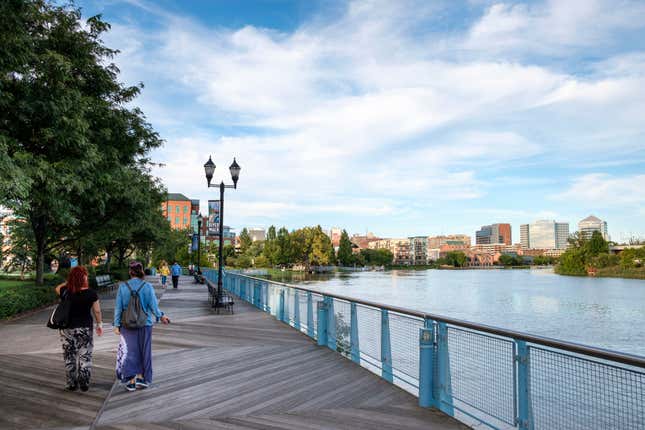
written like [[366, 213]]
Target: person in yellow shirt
[[164, 271]]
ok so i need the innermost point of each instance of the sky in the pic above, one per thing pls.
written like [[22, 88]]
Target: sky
[[402, 117]]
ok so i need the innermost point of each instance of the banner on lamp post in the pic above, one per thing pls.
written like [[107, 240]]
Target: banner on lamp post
[[213, 217], [194, 242]]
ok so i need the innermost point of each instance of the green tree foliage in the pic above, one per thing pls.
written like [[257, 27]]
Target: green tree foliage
[[245, 240], [376, 257], [68, 133], [345, 256], [511, 260], [454, 259], [584, 253]]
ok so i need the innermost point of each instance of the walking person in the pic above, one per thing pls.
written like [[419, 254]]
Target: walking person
[[176, 272], [164, 271], [134, 354], [77, 339]]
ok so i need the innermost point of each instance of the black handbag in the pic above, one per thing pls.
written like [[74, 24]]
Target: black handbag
[[59, 317]]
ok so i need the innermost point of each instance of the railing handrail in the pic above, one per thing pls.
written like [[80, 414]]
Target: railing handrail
[[604, 354]]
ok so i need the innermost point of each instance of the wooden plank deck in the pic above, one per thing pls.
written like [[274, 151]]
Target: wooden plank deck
[[240, 371]]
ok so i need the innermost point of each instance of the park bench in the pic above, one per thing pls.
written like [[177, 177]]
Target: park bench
[[199, 279], [105, 282], [226, 300]]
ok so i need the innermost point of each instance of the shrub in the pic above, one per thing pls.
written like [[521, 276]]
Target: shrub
[[21, 298]]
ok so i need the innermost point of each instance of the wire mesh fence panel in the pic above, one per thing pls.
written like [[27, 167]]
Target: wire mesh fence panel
[[316, 298], [482, 372], [288, 305], [404, 339], [342, 310], [302, 310], [274, 293], [369, 333], [569, 391]]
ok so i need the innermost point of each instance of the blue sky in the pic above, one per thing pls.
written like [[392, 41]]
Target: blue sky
[[402, 118]]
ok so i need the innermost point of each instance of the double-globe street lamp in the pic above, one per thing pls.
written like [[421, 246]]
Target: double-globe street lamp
[[209, 168]]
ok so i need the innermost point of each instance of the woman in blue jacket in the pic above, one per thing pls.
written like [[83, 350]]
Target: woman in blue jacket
[[134, 355]]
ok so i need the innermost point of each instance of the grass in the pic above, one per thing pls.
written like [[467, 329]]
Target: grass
[[619, 272]]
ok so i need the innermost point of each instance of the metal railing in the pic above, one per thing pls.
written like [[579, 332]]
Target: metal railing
[[498, 377]]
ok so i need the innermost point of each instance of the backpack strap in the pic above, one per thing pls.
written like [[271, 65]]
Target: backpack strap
[[128, 285], [143, 284]]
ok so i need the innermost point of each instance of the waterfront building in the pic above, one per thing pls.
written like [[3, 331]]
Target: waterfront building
[[433, 254], [544, 234], [334, 235], [587, 226], [494, 233], [452, 239], [257, 234], [497, 248], [400, 249], [177, 209], [362, 242], [418, 250]]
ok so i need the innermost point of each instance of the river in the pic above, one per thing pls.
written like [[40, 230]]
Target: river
[[603, 312]]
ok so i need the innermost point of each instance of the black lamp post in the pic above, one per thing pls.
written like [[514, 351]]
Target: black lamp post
[[199, 242], [209, 168]]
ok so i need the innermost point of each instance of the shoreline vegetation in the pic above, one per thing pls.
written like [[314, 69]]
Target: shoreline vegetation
[[591, 257]]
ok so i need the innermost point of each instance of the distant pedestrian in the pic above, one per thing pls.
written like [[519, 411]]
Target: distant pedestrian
[[134, 354], [77, 339], [164, 271], [176, 272]]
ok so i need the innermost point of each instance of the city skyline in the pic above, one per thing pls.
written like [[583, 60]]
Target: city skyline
[[382, 115]]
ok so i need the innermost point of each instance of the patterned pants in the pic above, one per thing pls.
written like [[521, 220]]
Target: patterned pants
[[78, 344]]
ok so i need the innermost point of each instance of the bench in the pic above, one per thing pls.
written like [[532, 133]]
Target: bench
[[105, 282], [226, 300], [199, 279]]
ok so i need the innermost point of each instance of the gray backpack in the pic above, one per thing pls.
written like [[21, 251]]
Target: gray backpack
[[134, 315]]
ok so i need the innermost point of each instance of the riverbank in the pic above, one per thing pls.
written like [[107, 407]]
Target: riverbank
[[618, 272]]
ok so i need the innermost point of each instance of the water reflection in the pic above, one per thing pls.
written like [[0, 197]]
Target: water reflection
[[604, 312]]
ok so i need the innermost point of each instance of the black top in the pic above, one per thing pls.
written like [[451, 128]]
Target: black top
[[79, 315]]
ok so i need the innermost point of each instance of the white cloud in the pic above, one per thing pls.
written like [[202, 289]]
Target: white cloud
[[368, 108], [604, 190]]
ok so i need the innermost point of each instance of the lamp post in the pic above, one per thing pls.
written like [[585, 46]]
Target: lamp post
[[209, 169], [199, 242]]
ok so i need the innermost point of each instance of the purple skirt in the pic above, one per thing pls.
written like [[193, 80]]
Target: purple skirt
[[134, 355]]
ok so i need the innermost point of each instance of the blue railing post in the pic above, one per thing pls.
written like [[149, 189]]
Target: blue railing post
[[323, 318], [523, 420], [443, 374], [331, 324], [243, 289], [296, 310], [281, 306], [256, 294], [310, 315], [426, 365], [353, 335], [386, 347]]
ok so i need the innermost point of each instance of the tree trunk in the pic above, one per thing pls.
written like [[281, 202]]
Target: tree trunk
[[38, 225]]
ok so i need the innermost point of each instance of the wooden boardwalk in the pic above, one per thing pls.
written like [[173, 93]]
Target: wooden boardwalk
[[241, 371]]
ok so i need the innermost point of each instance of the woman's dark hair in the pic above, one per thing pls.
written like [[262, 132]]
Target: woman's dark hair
[[136, 270]]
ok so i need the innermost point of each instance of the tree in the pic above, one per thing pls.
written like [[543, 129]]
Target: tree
[[345, 256], [271, 249], [320, 247], [596, 245], [455, 259], [245, 240], [65, 120], [283, 247]]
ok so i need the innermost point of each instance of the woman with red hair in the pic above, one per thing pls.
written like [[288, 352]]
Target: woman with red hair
[[77, 339]]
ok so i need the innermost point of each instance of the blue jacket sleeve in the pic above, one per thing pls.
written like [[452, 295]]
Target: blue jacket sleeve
[[152, 300], [118, 306]]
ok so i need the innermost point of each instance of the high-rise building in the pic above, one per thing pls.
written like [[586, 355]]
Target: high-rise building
[[587, 226], [177, 209], [494, 233], [544, 234]]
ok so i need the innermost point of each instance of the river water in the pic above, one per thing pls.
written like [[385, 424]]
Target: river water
[[603, 312]]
